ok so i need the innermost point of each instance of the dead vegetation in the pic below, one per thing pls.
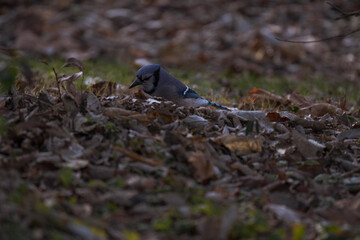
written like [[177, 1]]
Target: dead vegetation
[[95, 162], [116, 165]]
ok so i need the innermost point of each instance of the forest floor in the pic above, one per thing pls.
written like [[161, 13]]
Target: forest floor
[[82, 157]]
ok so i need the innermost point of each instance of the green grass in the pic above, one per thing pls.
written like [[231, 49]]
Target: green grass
[[318, 87], [107, 70], [206, 84]]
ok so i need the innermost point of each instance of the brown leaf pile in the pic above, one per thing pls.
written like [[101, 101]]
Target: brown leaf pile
[[120, 167]]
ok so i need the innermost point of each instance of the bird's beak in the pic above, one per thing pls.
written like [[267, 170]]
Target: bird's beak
[[135, 83]]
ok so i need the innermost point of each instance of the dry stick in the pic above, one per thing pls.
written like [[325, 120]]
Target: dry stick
[[82, 83], [343, 13], [136, 157], [57, 82], [348, 174], [320, 40]]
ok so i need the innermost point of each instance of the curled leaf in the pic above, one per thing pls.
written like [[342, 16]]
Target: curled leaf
[[70, 89], [73, 62]]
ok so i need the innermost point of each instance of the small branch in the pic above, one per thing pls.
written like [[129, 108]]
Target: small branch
[[348, 174], [57, 82], [82, 84], [342, 13], [319, 40]]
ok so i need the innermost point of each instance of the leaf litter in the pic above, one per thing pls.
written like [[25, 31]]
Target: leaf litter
[[93, 165]]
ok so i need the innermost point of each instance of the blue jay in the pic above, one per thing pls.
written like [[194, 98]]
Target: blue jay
[[158, 82]]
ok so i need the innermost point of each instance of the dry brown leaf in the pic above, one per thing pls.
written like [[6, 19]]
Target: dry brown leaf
[[342, 215], [70, 89], [114, 112], [320, 109], [244, 169], [298, 99], [103, 88], [203, 166], [118, 112], [73, 62], [162, 115], [241, 145], [275, 117], [261, 94], [351, 203], [137, 157], [141, 183], [307, 148]]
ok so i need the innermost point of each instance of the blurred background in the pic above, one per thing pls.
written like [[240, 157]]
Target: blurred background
[[214, 35]]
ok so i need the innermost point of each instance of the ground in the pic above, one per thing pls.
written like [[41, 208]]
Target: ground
[[82, 157]]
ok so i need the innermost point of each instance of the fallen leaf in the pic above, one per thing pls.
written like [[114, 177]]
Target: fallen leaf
[[261, 94], [137, 157], [114, 112], [118, 112], [76, 164], [298, 99], [307, 148], [70, 89], [204, 168], [73, 62], [93, 103], [350, 134], [101, 172], [103, 88], [352, 203], [320, 109], [196, 122], [162, 116], [283, 213], [248, 115], [275, 117], [241, 145]]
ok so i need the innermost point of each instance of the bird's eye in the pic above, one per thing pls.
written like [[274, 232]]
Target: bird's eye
[[146, 78]]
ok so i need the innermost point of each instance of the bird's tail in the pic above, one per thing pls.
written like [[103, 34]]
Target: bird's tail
[[217, 105]]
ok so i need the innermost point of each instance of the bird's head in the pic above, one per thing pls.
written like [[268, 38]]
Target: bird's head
[[148, 77]]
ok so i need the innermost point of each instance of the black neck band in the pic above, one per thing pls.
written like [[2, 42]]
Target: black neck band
[[156, 82]]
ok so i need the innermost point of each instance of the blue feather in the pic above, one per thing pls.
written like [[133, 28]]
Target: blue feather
[[218, 105]]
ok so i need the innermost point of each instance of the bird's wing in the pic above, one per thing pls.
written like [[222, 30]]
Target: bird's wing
[[189, 93]]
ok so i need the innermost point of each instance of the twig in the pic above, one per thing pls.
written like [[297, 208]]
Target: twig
[[136, 157], [343, 35], [349, 173], [343, 14], [57, 82], [320, 40], [82, 84]]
